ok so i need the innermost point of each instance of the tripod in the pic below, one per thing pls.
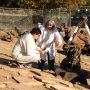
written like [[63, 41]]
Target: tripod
[[83, 21], [73, 51]]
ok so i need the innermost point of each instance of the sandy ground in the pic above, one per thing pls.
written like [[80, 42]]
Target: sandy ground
[[33, 78]]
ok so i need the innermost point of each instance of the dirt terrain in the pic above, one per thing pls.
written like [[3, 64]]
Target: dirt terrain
[[12, 78]]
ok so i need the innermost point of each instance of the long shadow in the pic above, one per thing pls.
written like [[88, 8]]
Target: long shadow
[[7, 62], [12, 63]]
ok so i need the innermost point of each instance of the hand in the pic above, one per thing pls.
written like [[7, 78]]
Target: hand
[[56, 44], [41, 50]]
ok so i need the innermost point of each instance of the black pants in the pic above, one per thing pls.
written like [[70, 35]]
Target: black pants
[[41, 64]]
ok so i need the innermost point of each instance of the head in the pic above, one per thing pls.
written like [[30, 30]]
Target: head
[[50, 24], [36, 32], [39, 24]]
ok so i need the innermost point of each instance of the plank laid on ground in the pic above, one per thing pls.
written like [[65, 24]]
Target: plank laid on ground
[[38, 78], [53, 81], [21, 79], [37, 73], [26, 80]]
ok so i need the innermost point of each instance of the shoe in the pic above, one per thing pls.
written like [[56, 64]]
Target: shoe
[[41, 64], [21, 66], [28, 65], [51, 64]]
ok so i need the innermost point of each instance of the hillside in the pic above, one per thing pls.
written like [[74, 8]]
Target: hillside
[[12, 78]]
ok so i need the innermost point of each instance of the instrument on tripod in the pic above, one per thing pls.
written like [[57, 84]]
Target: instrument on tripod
[[74, 50], [83, 22]]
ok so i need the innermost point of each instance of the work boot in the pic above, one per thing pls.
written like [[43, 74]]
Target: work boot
[[51, 64], [41, 64]]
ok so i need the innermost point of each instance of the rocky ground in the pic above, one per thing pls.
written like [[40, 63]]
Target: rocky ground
[[12, 78]]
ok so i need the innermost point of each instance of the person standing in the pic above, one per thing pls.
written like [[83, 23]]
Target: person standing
[[49, 40]]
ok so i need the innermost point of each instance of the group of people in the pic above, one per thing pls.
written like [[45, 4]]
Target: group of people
[[36, 45]]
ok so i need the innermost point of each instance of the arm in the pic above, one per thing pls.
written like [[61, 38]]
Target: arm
[[58, 38]]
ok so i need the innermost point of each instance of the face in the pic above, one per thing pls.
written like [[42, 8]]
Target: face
[[49, 25], [36, 36]]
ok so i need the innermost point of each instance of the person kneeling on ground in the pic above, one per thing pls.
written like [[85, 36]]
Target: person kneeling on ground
[[25, 50]]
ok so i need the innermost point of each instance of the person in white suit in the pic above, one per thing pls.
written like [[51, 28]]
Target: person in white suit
[[26, 50], [49, 39]]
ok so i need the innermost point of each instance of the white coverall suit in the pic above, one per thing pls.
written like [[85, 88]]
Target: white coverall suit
[[26, 50], [47, 41]]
